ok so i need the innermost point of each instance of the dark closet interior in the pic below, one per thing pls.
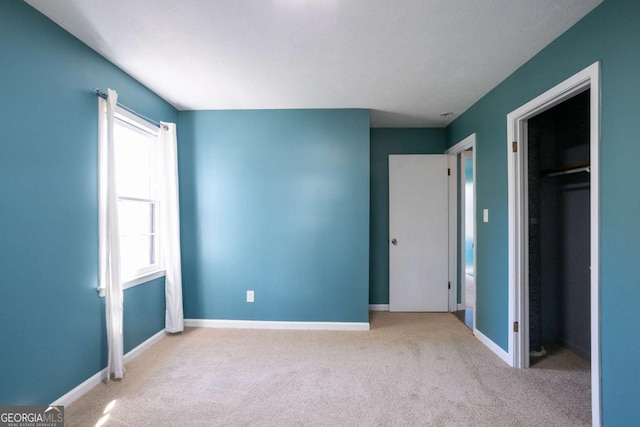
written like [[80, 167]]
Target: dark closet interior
[[559, 228]]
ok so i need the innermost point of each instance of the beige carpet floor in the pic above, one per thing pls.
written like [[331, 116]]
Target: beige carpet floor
[[409, 370]]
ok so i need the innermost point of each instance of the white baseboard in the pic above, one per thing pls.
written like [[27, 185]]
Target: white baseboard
[[260, 324], [493, 347], [101, 376], [137, 351], [378, 307], [80, 390]]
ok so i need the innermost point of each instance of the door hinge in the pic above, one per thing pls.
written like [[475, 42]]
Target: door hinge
[[514, 146], [515, 326], [449, 285], [448, 171]]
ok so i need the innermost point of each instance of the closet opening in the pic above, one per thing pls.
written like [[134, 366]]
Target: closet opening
[[559, 231], [554, 236]]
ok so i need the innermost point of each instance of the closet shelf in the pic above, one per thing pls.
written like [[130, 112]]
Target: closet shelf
[[565, 170]]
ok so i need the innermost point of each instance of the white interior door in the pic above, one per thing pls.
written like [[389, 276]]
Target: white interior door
[[418, 233]]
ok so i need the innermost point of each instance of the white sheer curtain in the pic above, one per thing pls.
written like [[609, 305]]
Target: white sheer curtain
[[170, 227], [110, 283]]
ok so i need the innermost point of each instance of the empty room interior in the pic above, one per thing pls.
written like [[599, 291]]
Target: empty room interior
[[320, 212]]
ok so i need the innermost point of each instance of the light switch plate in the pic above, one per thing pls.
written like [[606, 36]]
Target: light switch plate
[[485, 215]]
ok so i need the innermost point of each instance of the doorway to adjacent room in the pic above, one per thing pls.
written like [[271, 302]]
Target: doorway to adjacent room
[[462, 230], [467, 241]]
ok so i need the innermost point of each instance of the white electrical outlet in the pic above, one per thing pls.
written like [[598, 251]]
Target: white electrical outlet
[[485, 215], [250, 296]]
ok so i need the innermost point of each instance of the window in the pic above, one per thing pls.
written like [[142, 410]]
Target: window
[[138, 214], [136, 150]]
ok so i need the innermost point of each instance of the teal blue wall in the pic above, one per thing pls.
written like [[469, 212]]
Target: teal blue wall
[[53, 320], [385, 141], [144, 309], [610, 34], [275, 201]]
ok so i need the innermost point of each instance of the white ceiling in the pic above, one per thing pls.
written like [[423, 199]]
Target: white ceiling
[[406, 60]]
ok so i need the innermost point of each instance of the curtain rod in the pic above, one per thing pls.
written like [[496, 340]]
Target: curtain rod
[[105, 96]]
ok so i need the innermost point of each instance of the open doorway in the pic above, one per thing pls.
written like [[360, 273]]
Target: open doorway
[[558, 232], [462, 227], [467, 241], [554, 228]]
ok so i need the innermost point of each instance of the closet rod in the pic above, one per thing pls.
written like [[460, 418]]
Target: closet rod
[[570, 171]]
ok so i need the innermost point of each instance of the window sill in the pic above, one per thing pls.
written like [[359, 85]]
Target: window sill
[[137, 281], [142, 279]]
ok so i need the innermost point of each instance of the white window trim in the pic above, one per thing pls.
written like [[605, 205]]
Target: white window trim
[[147, 277], [136, 122]]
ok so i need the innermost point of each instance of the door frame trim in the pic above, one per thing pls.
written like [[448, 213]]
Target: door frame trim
[[452, 153], [589, 78]]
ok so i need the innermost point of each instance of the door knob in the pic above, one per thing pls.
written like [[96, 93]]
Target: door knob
[[395, 242]]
